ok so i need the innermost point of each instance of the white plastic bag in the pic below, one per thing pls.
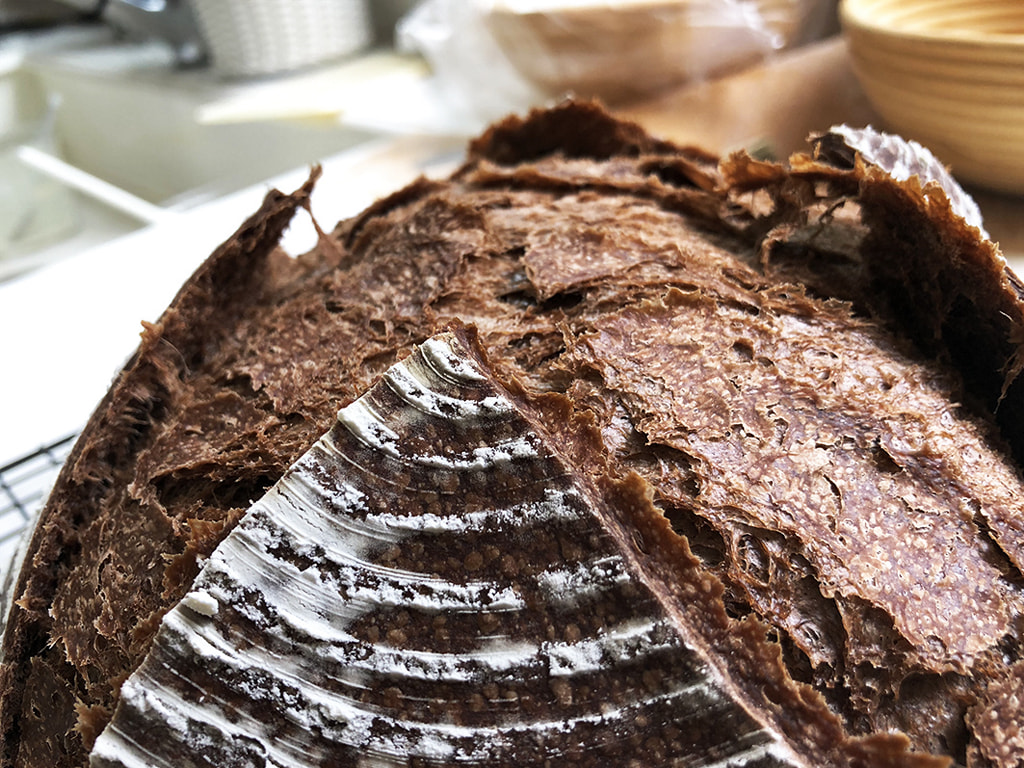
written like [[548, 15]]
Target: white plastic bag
[[474, 79], [491, 57]]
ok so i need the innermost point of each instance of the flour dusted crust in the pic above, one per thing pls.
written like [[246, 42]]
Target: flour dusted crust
[[810, 371], [496, 608]]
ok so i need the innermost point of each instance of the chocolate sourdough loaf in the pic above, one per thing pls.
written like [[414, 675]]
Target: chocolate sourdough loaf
[[600, 451]]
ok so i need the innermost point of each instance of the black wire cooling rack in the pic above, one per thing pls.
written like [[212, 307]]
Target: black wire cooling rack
[[24, 486]]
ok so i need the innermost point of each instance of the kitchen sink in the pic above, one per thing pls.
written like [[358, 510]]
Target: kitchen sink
[[100, 136], [127, 114]]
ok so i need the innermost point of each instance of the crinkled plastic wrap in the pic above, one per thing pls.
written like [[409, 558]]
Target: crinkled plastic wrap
[[493, 56]]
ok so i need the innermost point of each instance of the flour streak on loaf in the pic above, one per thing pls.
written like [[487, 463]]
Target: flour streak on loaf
[[288, 616], [785, 397]]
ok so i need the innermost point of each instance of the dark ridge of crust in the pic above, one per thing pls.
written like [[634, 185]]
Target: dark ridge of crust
[[766, 204], [916, 266], [572, 130], [113, 435], [965, 306], [347, 231]]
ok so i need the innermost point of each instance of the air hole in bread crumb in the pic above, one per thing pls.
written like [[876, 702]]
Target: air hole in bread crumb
[[884, 461], [744, 350], [562, 301], [674, 174], [706, 543], [519, 299]]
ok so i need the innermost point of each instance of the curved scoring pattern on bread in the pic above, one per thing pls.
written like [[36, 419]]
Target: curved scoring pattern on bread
[[430, 583], [813, 367]]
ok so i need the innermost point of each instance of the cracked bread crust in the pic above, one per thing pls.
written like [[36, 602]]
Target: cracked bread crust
[[767, 346]]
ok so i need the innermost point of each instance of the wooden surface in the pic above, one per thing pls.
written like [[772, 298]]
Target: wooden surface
[[778, 103]]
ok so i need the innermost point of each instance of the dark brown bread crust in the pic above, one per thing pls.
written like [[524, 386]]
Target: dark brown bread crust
[[93, 484], [567, 239], [568, 558]]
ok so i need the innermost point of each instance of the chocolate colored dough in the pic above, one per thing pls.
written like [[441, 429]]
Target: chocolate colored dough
[[813, 367], [432, 583]]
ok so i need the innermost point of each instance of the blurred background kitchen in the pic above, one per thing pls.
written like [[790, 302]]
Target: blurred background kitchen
[[136, 135], [117, 113]]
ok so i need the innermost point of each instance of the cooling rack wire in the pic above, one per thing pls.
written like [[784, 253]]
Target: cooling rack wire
[[25, 483]]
